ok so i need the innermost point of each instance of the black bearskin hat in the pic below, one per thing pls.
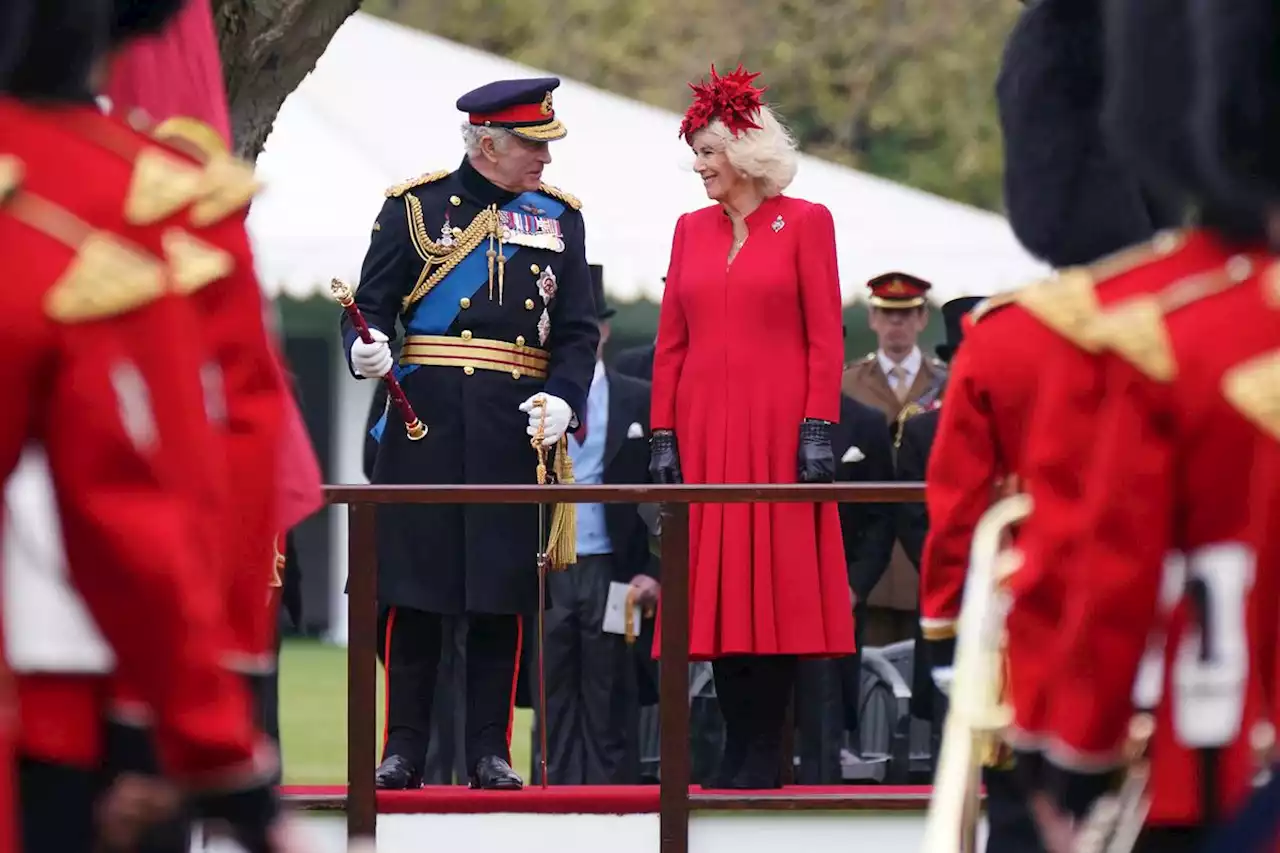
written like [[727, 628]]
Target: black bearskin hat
[[1237, 116], [1146, 115], [136, 18], [1069, 199], [50, 52]]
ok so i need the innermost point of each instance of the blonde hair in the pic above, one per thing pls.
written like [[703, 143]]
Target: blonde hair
[[766, 154]]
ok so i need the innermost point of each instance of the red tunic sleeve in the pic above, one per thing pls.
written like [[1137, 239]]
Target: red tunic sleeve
[[820, 306], [960, 482], [672, 343], [1107, 621]]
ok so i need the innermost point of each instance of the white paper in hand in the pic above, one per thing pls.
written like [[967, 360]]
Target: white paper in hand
[[615, 611]]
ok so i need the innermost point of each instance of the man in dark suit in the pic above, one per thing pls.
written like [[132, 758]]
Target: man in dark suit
[[592, 702], [828, 691], [914, 446], [636, 362]]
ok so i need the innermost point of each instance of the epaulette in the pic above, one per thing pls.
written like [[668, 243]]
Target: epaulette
[[162, 184], [1065, 303], [555, 192], [193, 262], [1253, 389], [11, 173], [228, 184], [107, 278], [404, 186], [992, 304], [1135, 330]]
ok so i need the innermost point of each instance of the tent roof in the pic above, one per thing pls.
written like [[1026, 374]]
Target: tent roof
[[376, 110]]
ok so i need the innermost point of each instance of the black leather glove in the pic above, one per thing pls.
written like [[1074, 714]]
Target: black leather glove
[[817, 462], [664, 458], [249, 814]]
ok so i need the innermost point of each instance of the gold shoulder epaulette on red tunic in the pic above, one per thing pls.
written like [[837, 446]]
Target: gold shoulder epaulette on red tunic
[[1135, 328], [1066, 302], [404, 186], [557, 193], [107, 277], [1253, 389], [991, 304]]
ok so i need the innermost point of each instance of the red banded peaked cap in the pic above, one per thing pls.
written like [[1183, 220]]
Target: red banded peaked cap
[[897, 290], [525, 107]]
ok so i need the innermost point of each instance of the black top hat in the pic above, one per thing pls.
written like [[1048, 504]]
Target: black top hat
[[953, 314], [603, 309]]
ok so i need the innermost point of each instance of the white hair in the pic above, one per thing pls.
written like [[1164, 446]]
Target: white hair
[[766, 154], [474, 134]]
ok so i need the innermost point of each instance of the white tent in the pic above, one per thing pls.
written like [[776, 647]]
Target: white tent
[[379, 107]]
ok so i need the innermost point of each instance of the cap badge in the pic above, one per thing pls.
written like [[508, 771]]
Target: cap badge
[[896, 287], [546, 104]]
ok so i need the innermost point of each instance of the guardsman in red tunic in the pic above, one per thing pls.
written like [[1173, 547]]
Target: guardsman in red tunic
[[99, 346], [45, 169], [1172, 623]]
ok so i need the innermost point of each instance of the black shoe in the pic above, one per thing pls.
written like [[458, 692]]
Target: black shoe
[[494, 774], [396, 773]]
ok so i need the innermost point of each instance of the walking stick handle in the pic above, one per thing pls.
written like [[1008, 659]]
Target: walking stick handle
[[342, 293]]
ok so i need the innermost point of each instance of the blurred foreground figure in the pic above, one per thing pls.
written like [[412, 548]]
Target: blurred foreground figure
[[104, 324], [1138, 612]]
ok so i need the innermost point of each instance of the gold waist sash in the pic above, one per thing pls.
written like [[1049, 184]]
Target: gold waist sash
[[472, 354]]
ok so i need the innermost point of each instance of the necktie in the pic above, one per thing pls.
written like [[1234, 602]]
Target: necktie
[[900, 387]]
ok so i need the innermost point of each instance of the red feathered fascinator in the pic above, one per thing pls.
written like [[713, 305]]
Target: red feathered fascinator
[[730, 98]]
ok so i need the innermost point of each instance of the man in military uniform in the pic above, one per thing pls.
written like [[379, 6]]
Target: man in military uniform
[[894, 378], [485, 267]]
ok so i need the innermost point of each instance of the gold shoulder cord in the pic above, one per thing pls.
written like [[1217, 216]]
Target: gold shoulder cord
[[480, 229], [562, 543]]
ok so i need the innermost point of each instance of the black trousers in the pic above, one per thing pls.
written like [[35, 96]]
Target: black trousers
[[56, 807], [593, 700], [1010, 826], [753, 692], [820, 720], [446, 745], [410, 653]]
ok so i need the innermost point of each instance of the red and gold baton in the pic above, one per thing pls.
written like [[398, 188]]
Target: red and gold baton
[[342, 292]]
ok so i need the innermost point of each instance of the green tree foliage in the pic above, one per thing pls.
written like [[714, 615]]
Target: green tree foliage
[[897, 88]]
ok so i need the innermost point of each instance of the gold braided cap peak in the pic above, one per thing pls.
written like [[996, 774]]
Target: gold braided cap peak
[[555, 192], [426, 178]]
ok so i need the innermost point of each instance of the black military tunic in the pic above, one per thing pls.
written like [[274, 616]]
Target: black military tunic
[[482, 334]]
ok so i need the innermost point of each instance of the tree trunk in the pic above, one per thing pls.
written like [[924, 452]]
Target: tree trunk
[[268, 47]]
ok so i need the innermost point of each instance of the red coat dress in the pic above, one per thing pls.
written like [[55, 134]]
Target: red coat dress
[[745, 353]]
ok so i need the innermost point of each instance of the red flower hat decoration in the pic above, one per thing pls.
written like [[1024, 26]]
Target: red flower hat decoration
[[730, 98]]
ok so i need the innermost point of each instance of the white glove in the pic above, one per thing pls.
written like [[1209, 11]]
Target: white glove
[[558, 416], [373, 361]]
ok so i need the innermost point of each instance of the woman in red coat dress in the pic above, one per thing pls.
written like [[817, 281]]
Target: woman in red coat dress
[[746, 386]]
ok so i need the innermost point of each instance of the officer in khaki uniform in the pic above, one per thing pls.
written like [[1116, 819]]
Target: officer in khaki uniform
[[896, 379]]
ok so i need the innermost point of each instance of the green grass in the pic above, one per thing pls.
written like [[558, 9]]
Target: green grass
[[313, 715]]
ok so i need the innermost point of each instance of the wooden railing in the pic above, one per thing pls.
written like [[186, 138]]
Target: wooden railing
[[675, 799]]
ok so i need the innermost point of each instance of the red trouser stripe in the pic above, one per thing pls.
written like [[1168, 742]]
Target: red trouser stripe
[[386, 678], [515, 679]]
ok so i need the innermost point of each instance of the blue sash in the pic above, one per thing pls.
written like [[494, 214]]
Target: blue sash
[[435, 312]]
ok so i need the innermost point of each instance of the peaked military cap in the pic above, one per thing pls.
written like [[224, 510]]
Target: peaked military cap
[[523, 107], [897, 290]]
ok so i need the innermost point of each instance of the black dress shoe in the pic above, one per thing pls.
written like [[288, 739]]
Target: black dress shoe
[[396, 773], [494, 774]]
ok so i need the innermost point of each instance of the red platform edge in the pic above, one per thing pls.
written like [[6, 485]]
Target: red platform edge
[[611, 799]]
